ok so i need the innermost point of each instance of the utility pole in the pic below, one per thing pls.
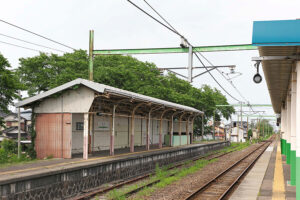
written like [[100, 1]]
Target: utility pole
[[214, 124], [202, 125], [264, 128], [91, 49], [242, 126], [190, 64], [19, 130], [247, 125]]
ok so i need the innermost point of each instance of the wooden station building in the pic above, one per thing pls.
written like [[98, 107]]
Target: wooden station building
[[82, 117]]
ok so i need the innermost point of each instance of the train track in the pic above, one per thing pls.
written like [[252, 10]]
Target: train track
[[91, 194], [221, 185]]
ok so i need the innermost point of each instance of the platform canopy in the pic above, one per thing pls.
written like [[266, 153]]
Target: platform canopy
[[278, 44], [108, 90]]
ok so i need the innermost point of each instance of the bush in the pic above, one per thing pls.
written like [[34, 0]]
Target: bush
[[9, 151], [9, 146]]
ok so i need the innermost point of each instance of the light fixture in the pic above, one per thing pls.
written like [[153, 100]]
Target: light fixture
[[257, 77]]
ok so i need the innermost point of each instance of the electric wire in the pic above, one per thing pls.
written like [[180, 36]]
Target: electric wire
[[162, 17], [155, 19], [21, 47], [31, 43], [176, 32], [215, 79], [26, 30]]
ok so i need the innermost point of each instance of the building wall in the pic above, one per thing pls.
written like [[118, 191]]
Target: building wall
[[122, 132], [71, 101], [53, 135]]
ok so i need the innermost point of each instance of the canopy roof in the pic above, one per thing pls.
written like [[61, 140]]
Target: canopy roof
[[101, 88], [277, 38]]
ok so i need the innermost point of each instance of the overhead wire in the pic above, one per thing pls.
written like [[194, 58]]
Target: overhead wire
[[174, 31], [31, 43], [171, 28], [26, 30], [15, 45]]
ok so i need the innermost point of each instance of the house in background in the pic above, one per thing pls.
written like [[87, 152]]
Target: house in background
[[10, 130]]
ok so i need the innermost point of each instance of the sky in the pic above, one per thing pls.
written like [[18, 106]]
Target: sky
[[119, 25]]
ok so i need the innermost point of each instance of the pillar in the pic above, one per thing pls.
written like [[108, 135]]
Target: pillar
[[112, 135], [187, 130], [283, 129], [293, 129], [192, 131], [179, 132], [160, 133], [132, 133], [171, 130], [85, 135], [288, 140], [148, 131], [298, 132]]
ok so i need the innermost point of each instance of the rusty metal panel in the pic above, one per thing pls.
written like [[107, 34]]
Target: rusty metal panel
[[53, 135], [67, 135]]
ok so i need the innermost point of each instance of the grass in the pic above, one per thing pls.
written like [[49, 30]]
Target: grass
[[163, 175]]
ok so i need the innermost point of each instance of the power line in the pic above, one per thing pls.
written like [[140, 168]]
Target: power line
[[20, 46], [31, 43], [216, 79], [155, 19], [176, 32], [36, 34], [162, 17]]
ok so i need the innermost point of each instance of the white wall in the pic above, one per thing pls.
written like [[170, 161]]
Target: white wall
[[74, 101]]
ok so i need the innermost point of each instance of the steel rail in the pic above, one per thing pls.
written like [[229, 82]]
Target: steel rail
[[90, 194], [213, 180]]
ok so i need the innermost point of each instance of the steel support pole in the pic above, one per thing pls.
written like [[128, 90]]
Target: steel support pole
[[85, 135], [202, 125], [19, 132], [190, 64], [247, 126], [242, 125], [91, 49], [112, 136], [214, 131]]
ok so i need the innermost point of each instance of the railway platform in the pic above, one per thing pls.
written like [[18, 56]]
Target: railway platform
[[61, 178], [268, 178]]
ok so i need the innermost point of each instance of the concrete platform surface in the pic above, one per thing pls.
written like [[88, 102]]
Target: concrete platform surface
[[250, 186], [50, 166]]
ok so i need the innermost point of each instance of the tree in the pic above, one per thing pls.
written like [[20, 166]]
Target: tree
[[9, 86], [43, 72]]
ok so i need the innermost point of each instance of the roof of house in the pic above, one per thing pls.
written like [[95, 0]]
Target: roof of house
[[101, 88]]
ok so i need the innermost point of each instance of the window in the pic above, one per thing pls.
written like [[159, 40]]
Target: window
[[79, 126]]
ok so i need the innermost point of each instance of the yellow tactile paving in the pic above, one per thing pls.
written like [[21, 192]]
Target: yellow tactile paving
[[81, 161], [278, 183]]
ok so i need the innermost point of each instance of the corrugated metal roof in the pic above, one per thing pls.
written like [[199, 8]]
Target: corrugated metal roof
[[277, 72], [101, 88]]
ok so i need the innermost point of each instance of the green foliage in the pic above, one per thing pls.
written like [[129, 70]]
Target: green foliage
[[9, 86], [43, 72], [9, 146], [31, 151], [250, 134], [8, 152], [265, 128]]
